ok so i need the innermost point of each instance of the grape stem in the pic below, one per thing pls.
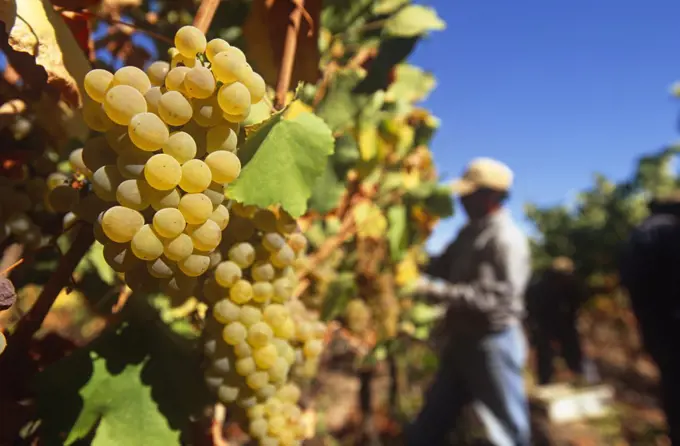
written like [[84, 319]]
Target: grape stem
[[205, 14], [11, 258], [288, 58]]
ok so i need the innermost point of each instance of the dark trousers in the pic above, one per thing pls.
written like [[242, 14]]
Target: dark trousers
[[566, 336]]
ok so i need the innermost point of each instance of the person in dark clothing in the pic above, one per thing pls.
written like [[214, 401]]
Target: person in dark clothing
[[650, 271], [553, 301]]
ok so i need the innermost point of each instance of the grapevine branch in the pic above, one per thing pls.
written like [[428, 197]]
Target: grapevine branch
[[288, 58], [205, 14]]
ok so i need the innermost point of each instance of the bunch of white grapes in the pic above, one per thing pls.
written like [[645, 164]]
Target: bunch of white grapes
[[308, 339]]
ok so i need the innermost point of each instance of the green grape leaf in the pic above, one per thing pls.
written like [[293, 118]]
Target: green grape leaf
[[411, 84], [340, 106], [340, 291], [440, 202], [397, 233], [282, 161], [327, 192], [387, 6], [346, 150], [413, 20]]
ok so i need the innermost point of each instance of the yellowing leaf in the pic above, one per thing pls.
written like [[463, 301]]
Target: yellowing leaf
[[295, 108], [406, 271], [411, 179], [369, 219], [413, 20], [368, 141]]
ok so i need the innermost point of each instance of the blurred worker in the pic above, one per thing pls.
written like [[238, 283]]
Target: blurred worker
[[650, 271], [483, 275], [553, 302]]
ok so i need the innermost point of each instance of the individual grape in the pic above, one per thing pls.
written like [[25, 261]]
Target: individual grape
[[255, 85], [177, 59], [258, 428], [256, 411], [174, 108], [199, 82], [298, 242], [226, 311], [221, 137], [131, 164], [250, 315], [119, 257], [273, 241], [90, 207], [105, 182], [55, 179], [145, 244], [220, 216], [284, 349], [216, 193], [286, 224], [206, 236], [196, 176], [162, 172], [207, 112], [312, 348], [283, 257], [245, 366], [194, 265], [174, 81], [214, 47], [122, 102], [227, 394], [133, 77], [181, 146], [96, 117], [257, 380], [97, 83], [235, 119], [224, 166], [263, 271], [134, 194], [160, 268], [265, 356], [230, 65], [63, 198], [241, 292], [148, 132], [289, 393], [286, 330], [234, 333], [199, 134], [262, 292], [97, 153], [164, 199], [276, 314], [189, 40], [153, 97], [196, 208], [120, 223], [227, 274], [157, 72], [265, 220], [259, 335], [278, 372], [242, 349], [269, 441], [234, 98], [169, 222], [119, 140], [243, 254]]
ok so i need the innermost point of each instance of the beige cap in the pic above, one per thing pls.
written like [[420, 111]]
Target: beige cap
[[483, 173]]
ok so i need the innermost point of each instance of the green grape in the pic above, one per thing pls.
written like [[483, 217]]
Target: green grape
[[157, 72], [213, 380], [216, 193], [134, 194], [162, 172], [265, 356], [234, 99], [258, 428], [230, 65], [256, 86], [273, 406], [241, 292], [304, 331], [286, 224], [243, 254], [257, 380], [169, 222], [312, 348], [105, 182], [97, 83], [148, 132], [215, 46], [177, 59], [262, 292], [174, 81], [259, 334], [19, 223], [283, 257], [289, 393], [273, 241], [194, 265], [161, 268], [55, 179], [242, 349], [119, 140], [265, 220], [298, 242], [224, 166], [146, 244], [131, 164], [283, 289], [164, 199], [174, 108], [180, 285], [199, 82], [196, 208], [68, 221], [196, 176], [227, 394], [222, 137], [262, 271], [286, 330], [133, 77], [180, 146], [189, 40], [234, 333], [206, 236], [90, 207], [97, 153], [122, 102], [284, 349], [153, 98], [63, 198], [257, 411], [199, 134], [250, 315], [215, 259], [227, 274], [225, 311], [245, 366], [268, 441], [207, 112], [266, 392], [220, 216], [120, 223], [235, 119], [96, 117], [278, 372], [276, 315], [178, 248]]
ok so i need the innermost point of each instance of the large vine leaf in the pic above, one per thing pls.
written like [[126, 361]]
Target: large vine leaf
[[340, 105], [283, 160], [327, 192], [413, 20], [411, 84]]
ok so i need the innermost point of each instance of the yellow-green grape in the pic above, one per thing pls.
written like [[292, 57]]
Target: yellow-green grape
[[181, 146], [153, 98], [220, 216], [119, 257], [206, 236], [241, 292], [131, 164], [75, 159], [145, 244], [56, 179], [243, 254], [230, 65], [105, 181], [157, 72], [284, 349], [199, 82], [148, 132], [90, 207], [276, 315], [224, 166], [312, 348], [289, 393], [242, 349], [97, 83], [194, 265], [262, 292], [63, 198], [298, 242], [189, 40], [207, 112], [164, 199], [234, 99], [97, 153], [196, 208], [178, 248], [236, 118], [96, 117], [283, 257], [278, 372], [257, 411], [250, 315], [122, 102], [265, 356], [214, 47], [119, 140], [234, 333], [225, 311], [273, 241], [283, 289], [258, 428], [216, 193], [255, 85], [160, 268], [245, 366], [174, 108], [267, 391], [304, 331], [227, 274], [257, 380], [259, 334], [174, 81], [134, 77], [177, 59], [120, 223], [169, 222], [227, 394], [221, 137], [162, 172], [198, 133], [134, 194], [286, 224], [196, 176], [263, 271]]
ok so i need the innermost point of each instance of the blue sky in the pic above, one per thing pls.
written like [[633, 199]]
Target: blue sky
[[556, 89]]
